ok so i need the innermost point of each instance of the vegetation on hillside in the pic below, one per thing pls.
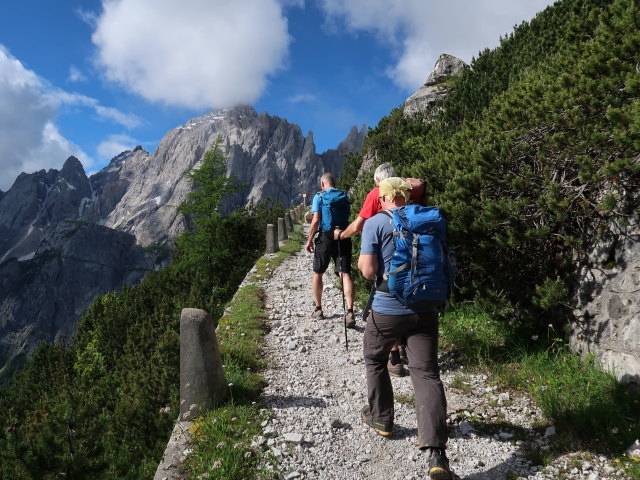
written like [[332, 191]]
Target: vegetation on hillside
[[534, 154], [104, 406]]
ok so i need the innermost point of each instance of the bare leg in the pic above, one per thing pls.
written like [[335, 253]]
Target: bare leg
[[316, 288], [347, 287]]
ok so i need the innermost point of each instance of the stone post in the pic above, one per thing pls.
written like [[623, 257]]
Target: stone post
[[288, 221], [272, 239], [202, 381], [297, 210], [282, 231]]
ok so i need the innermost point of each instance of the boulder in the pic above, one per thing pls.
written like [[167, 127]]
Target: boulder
[[435, 88]]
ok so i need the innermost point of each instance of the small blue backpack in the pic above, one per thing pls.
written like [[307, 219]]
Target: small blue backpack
[[422, 268], [335, 208]]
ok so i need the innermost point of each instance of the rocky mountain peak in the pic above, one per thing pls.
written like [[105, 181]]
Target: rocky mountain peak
[[265, 152], [446, 66], [72, 164], [435, 88], [354, 141]]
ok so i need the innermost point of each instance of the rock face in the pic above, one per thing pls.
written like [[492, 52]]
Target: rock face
[[65, 238], [38, 200], [42, 298], [435, 88], [268, 154], [608, 304]]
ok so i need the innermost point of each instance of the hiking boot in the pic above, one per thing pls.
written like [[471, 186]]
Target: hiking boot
[[403, 355], [396, 370], [350, 320], [438, 465], [384, 429], [317, 313]]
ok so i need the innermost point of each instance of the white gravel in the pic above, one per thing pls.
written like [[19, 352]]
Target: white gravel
[[316, 389]]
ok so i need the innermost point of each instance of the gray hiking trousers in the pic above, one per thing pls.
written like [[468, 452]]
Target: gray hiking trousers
[[421, 333]]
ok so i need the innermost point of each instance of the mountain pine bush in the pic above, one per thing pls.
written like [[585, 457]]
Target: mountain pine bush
[[534, 152]]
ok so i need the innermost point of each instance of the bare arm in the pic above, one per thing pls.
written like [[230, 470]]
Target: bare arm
[[353, 228], [368, 265], [315, 222]]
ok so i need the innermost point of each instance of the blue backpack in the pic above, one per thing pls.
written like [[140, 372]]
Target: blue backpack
[[335, 208], [422, 268]]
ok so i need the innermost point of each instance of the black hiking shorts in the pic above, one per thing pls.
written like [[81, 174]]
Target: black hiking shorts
[[326, 248]]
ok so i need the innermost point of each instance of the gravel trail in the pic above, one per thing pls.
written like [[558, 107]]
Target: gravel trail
[[316, 388]]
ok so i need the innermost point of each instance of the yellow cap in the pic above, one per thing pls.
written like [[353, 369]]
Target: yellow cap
[[393, 187]]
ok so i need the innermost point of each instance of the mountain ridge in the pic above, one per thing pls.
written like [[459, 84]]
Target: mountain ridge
[[133, 202]]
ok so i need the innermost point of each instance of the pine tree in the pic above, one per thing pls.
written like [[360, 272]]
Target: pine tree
[[199, 245]]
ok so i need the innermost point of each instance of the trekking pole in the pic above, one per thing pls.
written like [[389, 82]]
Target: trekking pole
[[344, 306]]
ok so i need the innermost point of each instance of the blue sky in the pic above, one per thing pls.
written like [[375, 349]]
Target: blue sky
[[92, 78]]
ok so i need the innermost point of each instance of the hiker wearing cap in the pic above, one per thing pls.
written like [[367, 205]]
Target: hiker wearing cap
[[371, 204], [370, 207], [330, 209], [389, 320]]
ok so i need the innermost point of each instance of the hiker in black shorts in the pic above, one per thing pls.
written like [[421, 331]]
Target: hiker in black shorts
[[330, 209]]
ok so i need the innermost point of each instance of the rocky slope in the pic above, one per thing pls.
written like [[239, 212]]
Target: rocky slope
[[65, 238], [42, 298]]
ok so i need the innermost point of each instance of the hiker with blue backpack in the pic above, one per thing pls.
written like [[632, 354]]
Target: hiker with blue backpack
[[370, 207], [404, 249], [330, 208]]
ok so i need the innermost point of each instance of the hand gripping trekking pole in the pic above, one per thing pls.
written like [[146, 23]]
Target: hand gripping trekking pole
[[344, 307]]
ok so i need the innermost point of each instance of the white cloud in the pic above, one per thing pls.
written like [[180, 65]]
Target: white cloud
[[29, 137], [419, 30], [125, 119], [75, 75], [115, 145], [196, 54], [292, 3], [302, 98], [29, 140]]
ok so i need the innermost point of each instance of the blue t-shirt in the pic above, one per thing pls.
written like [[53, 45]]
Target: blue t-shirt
[[377, 239]]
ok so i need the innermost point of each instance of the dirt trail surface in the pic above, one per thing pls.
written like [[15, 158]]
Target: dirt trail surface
[[316, 389]]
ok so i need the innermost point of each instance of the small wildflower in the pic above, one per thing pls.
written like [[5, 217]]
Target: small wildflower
[[534, 337], [221, 444], [230, 385], [247, 454], [234, 419], [614, 430], [236, 445], [216, 464]]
